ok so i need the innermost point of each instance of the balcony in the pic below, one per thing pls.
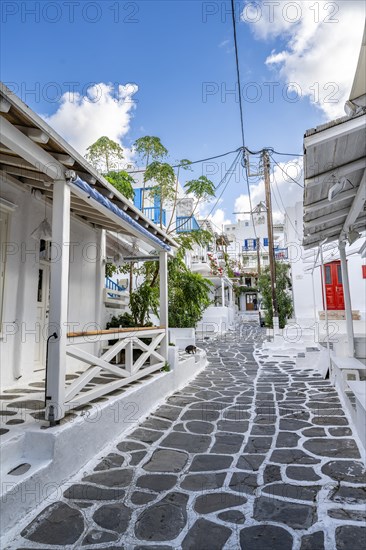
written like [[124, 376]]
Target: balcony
[[115, 295], [186, 224], [153, 213]]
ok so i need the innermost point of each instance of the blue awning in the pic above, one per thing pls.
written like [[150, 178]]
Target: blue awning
[[100, 199]]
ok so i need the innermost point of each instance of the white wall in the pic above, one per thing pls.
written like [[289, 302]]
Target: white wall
[[302, 284], [19, 335]]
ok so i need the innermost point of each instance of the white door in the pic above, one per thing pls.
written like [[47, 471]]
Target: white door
[[42, 311]]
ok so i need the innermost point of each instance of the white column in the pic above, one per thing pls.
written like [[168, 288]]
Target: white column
[[100, 275], [55, 389], [222, 292], [163, 274], [100, 284], [231, 296], [347, 299]]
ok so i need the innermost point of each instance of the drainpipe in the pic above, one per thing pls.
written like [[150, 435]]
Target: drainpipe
[[347, 298]]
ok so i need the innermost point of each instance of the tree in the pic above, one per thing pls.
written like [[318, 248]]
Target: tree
[[149, 147], [142, 300], [188, 295], [163, 175], [122, 181], [283, 288], [202, 188], [105, 154]]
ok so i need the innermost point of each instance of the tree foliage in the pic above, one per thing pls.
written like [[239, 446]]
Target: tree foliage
[[142, 300], [202, 188], [105, 155], [283, 288], [188, 295], [150, 147], [122, 181]]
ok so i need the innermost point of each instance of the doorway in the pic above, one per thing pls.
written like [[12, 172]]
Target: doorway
[[249, 301], [42, 313], [333, 286]]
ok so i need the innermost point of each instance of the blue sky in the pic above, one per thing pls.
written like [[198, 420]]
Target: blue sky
[[176, 53]]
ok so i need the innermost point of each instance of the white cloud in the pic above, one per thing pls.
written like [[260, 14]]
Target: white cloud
[[219, 219], [322, 44], [284, 191], [102, 111]]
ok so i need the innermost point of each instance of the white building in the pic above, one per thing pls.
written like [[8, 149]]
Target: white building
[[248, 240], [334, 222], [60, 369]]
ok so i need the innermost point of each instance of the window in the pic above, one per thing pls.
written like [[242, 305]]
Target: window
[[328, 275], [250, 244]]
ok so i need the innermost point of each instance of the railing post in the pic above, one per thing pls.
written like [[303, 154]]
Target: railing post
[[56, 359], [347, 299], [163, 273], [129, 356]]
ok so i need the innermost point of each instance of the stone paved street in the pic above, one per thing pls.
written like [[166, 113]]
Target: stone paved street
[[252, 454]]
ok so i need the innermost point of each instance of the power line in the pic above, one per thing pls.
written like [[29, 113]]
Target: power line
[[238, 72], [244, 163], [193, 161], [286, 174], [229, 171]]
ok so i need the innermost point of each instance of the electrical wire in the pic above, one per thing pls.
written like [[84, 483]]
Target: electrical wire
[[230, 171], [244, 161], [286, 174], [284, 207], [192, 162]]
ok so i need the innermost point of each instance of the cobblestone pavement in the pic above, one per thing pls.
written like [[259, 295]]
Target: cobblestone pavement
[[252, 454]]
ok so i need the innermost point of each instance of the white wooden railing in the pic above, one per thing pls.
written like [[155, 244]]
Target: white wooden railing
[[125, 368]]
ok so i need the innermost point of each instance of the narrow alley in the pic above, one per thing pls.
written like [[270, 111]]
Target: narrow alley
[[252, 454]]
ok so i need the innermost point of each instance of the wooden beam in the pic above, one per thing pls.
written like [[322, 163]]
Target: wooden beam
[[324, 203], [334, 132], [25, 173], [35, 134], [337, 171], [87, 177], [66, 160], [18, 143], [332, 216], [4, 105]]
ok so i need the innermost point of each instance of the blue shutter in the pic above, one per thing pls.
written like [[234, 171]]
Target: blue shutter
[[246, 244], [137, 200], [265, 241], [254, 244]]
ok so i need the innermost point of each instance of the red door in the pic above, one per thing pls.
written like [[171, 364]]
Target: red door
[[333, 286]]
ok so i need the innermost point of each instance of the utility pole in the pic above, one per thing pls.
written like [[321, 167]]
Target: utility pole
[[272, 264]]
